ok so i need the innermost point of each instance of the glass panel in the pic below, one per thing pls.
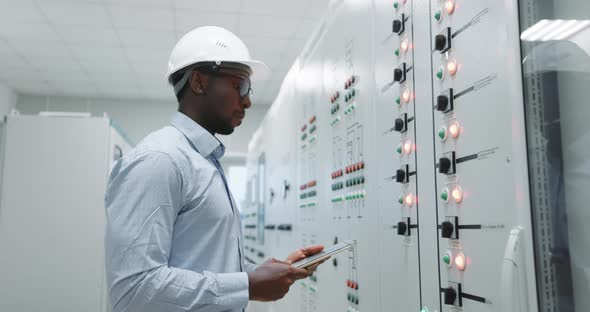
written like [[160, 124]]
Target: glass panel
[[555, 42]]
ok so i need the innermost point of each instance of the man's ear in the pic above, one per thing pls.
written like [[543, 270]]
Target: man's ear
[[198, 82]]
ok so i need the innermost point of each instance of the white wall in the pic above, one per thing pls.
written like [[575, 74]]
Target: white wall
[[8, 100], [138, 117]]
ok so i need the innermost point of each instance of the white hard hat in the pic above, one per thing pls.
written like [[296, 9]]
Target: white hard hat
[[212, 44]]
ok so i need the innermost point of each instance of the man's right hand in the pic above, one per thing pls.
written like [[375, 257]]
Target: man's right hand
[[272, 279]]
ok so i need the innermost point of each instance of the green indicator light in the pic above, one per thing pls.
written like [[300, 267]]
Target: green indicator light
[[398, 100], [399, 149], [438, 15], [444, 195], [396, 4], [442, 133], [396, 52], [401, 200], [440, 74], [447, 259]]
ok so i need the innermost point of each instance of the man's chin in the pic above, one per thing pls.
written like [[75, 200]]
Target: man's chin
[[226, 130]]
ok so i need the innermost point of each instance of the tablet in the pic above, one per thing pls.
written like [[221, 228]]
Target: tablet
[[324, 254]]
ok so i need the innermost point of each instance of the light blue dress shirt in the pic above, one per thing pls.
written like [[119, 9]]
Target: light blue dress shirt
[[173, 238]]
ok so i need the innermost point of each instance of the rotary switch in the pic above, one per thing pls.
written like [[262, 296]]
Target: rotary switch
[[450, 295], [399, 25], [442, 103], [402, 227], [447, 229], [444, 165]]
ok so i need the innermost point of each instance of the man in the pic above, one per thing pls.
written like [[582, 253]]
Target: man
[[174, 240]]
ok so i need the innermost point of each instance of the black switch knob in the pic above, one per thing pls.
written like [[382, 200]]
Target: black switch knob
[[397, 26], [399, 125], [444, 165], [447, 229], [450, 295], [397, 75], [400, 176], [442, 103], [402, 227], [440, 42]]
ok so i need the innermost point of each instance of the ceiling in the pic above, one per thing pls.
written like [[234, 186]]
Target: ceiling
[[120, 48]]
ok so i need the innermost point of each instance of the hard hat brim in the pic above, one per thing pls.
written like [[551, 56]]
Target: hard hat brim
[[259, 70]]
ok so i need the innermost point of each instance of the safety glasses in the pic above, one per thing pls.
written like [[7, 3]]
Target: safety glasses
[[244, 87]]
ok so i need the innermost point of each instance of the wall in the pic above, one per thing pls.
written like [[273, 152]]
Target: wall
[[7, 99], [138, 117]]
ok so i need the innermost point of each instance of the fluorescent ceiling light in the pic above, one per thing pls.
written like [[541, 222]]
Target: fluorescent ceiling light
[[547, 30]]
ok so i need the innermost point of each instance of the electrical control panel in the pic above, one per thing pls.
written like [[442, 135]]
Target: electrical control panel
[[401, 125]]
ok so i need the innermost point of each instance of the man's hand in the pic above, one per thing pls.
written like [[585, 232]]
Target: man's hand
[[272, 279], [304, 253]]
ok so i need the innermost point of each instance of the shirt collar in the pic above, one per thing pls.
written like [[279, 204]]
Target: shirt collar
[[202, 140]]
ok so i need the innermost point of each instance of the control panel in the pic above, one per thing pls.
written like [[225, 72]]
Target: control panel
[[405, 132]]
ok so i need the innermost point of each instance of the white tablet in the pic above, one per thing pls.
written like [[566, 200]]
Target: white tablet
[[324, 254]]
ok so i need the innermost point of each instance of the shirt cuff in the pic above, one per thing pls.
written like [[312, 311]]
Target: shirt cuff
[[234, 288]]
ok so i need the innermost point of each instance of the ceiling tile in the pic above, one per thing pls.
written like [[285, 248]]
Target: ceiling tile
[[162, 4], [32, 87], [55, 63], [21, 73], [317, 8], [40, 47], [12, 60], [259, 43], [293, 50], [113, 66], [150, 62], [84, 52], [133, 38], [75, 13], [52, 74], [258, 25], [32, 31], [305, 28], [116, 77], [294, 8], [21, 11], [228, 6], [187, 20], [89, 35], [142, 18]]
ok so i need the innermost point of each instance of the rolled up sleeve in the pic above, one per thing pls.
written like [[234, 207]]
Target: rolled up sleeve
[[143, 199]]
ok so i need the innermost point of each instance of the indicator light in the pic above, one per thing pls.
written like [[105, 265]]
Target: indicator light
[[440, 73], [455, 129], [460, 261], [447, 258], [450, 6], [438, 15], [457, 194], [405, 45], [442, 133], [452, 67], [406, 95], [399, 149], [408, 147], [444, 195], [409, 200]]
